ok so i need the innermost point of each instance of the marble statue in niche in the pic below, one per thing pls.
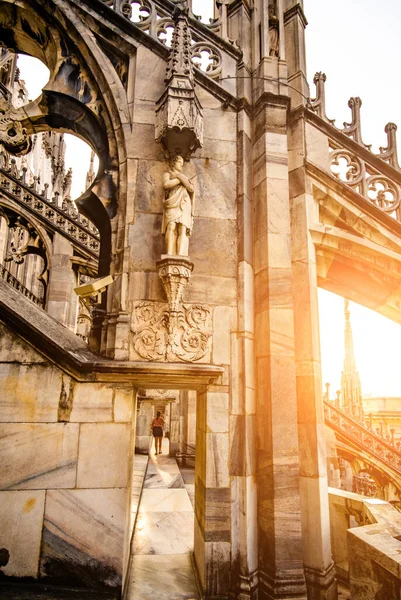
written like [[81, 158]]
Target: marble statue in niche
[[178, 209], [273, 31]]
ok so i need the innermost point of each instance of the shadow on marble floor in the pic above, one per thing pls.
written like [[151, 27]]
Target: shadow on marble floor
[[45, 592]]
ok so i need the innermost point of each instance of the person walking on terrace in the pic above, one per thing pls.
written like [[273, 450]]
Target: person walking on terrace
[[157, 428]]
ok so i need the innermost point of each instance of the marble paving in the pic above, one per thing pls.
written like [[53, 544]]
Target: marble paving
[[164, 535]]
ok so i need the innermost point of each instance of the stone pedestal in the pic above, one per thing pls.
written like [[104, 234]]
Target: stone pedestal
[[174, 272]]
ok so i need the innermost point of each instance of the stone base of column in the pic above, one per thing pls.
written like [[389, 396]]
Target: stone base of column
[[321, 584], [248, 587], [282, 588]]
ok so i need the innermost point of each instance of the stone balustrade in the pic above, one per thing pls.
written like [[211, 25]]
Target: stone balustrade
[[15, 283], [376, 177], [365, 537], [61, 215], [154, 18], [370, 441]]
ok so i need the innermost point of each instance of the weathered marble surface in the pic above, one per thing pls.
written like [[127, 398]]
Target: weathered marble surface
[[16, 350], [21, 522], [29, 393], [38, 456], [83, 537], [163, 473], [163, 540], [123, 404], [92, 403], [103, 455], [164, 533], [162, 578]]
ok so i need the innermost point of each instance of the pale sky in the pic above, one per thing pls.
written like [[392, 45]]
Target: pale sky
[[357, 44]]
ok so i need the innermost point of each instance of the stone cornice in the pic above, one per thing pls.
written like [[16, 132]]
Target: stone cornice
[[269, 99], [236, 4], [68, 352], [295, 11]]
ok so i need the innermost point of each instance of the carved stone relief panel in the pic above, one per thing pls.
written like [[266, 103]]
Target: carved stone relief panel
[[158, 334]]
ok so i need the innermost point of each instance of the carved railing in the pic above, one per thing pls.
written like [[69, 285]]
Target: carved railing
[[377, 177], [363, 437], [155, 19], [62, 216], [15, 283]]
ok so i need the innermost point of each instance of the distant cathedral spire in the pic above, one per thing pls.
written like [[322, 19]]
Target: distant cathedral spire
[[351, 389]]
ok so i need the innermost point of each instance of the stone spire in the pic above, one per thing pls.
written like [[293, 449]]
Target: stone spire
[[351, 390], [180, 63], [90, 175], [179, 119]]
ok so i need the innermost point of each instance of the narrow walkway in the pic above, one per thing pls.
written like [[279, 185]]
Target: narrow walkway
[[164, 535]]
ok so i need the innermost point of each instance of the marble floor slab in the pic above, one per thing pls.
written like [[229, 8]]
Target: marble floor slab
[[163, 481], [163, 578], [164, 533], [164, 536], [163, 472], [162, 500]]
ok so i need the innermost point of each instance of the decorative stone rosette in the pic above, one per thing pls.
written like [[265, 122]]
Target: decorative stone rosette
[[168, 336]]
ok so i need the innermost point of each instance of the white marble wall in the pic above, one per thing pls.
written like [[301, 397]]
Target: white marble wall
[[65, 449]]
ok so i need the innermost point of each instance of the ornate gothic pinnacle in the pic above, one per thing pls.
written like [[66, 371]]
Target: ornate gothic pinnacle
[[179, 119], [180, 63]]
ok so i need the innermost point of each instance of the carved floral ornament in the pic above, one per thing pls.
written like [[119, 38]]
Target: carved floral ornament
[[162, 335]]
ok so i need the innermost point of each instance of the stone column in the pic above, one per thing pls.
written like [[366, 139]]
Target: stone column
[[279, 511], [242, 408], [3, 238], [143, 421], [187, 428], [174, 433], [183, 435], [319, 568], [191, 436], [212, 547], [62, 302]]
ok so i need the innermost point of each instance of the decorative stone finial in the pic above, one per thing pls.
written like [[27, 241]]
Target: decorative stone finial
[[179, 118]]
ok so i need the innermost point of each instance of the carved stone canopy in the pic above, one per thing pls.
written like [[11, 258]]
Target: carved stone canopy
[[179, 117]]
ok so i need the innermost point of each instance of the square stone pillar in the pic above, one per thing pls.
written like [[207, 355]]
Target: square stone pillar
[[279, 510], [319, 567], [212, 495], [242, 407], [187, 429], [62, 302], [143, 421], [174, 433]]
